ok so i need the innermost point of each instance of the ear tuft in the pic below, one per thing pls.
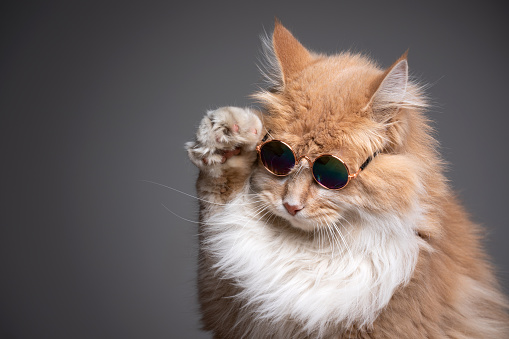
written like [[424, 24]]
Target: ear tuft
[[393, 87], [395, 92], [269, 65]]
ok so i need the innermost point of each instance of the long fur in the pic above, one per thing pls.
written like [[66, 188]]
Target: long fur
[[319, 283], [392, 255]]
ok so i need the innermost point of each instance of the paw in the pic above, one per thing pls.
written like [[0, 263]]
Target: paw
[[225, 133]]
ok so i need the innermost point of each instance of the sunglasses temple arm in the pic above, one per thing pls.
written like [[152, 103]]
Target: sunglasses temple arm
[[353, 176], [364, 165]]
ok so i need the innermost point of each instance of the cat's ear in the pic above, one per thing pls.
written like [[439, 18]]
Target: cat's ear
[[291, 56], [392, 92]]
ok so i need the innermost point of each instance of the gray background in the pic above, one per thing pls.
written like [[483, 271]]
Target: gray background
[[97, 97]]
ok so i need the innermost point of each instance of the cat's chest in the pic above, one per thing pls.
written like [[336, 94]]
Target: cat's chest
[[284, 275]]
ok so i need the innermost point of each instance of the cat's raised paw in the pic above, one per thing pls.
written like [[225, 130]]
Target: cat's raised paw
[[225, 133]]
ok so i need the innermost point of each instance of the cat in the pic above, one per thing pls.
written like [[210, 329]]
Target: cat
[[390, 255]]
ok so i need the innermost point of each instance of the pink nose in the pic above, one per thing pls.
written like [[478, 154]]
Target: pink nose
[[292, 209]]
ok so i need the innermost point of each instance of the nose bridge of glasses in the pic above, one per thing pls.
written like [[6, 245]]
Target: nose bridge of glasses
[[304, 157]]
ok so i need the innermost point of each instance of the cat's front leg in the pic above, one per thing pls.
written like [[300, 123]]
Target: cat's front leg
[[225, 151]]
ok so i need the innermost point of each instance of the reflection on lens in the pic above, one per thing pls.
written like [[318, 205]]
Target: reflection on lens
[[330, 172], [277, 157]]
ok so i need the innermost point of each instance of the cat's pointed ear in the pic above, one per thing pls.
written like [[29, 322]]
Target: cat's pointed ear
[[392, 92], [292, 57]]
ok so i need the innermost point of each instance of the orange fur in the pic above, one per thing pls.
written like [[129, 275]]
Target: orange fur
[[327, 104]]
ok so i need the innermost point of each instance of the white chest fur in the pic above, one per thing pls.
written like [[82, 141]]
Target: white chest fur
[[286, 276]]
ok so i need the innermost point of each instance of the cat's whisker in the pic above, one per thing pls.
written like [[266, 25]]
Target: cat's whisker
[[332, 240], [180, 217], [336, 248], [326, 229], [320, 235], [262, 206], [325, 232], [272, 217], [337, 239], [320, 228], [320, 238], [314, 234], [190, 195], [252, 214], [197, 222], [343, 239], [348, 231], [258, 210]]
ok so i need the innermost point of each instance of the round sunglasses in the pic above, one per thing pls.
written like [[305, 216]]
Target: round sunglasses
[[328, 170]]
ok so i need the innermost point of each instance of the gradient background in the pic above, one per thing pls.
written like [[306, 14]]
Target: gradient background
[[96, 97]]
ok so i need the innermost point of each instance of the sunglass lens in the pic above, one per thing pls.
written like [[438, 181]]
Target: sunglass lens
[[330, 172], [277, 157]]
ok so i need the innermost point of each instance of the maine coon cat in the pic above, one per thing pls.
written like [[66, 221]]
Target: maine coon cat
[[391, 254]]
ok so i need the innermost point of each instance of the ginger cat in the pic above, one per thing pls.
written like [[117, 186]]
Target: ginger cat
[[392, 254]]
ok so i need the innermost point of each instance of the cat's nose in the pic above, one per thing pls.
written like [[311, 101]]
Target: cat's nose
[[292, 209]]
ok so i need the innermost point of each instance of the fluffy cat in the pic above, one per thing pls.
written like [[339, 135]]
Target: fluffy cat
[[392, 255]]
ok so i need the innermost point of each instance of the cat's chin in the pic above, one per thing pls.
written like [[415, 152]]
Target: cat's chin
[[302, 224]]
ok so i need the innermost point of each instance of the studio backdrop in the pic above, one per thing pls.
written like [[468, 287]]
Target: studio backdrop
[[98, 232]]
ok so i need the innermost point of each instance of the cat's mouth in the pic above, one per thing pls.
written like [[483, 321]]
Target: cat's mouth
[[305, 225], [298, 219], [308, 218]]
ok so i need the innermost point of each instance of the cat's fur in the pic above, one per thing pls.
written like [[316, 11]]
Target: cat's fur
[[392, 255]]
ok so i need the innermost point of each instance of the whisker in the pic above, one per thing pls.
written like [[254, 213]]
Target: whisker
[[349, 232], [321, 234], [344, 240], [192, 196], [317, 230], [327, 232], [272, 217], [335, 238], [257, 212], [178, 216], [197, 222], [314, 233]]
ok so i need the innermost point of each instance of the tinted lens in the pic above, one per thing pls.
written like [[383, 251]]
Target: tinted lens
[[330, 172], [277, 157]]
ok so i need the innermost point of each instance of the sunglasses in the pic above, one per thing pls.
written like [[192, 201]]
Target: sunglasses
[[328, 170]]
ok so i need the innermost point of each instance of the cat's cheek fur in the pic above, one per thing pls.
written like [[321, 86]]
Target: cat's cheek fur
[[392, 184]]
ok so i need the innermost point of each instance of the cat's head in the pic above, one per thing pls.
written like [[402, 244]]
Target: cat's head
[[347, 106]]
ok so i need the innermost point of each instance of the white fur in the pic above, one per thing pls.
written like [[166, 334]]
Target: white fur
[[284, 276]]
